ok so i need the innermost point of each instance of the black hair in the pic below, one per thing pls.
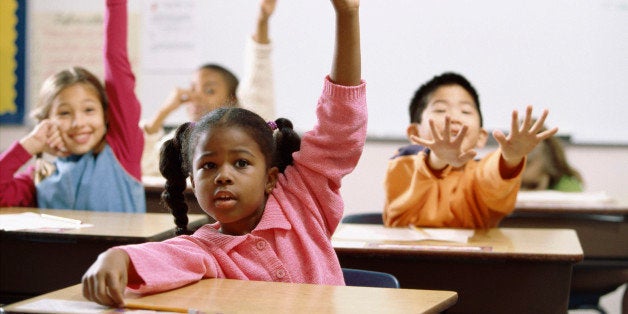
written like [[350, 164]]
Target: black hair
[[422, 95], [227, 75], [175, 160]]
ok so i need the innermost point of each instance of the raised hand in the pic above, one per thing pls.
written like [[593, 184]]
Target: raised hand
[[45, 138], [346, 5], [267, 7], [523, 137], [446, 149]]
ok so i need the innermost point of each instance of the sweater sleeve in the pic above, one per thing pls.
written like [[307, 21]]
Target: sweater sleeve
[[123, 132], [256, 91], [16, 189], [331, 150], [169, 264]]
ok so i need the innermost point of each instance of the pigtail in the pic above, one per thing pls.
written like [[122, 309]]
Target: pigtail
[[287, 141], [173, 166]]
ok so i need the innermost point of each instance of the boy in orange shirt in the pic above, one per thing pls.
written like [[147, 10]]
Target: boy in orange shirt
[[436, 182]]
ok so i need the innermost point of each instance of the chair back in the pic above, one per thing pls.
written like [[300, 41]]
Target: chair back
[[364, 218], [368, 278]]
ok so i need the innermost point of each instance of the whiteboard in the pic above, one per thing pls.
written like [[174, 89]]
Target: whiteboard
[[568, 56]]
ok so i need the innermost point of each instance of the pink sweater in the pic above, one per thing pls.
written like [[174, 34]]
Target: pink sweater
[[292, 242]]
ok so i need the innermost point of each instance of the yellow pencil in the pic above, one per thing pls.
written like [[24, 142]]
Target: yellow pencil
[[163, 308]]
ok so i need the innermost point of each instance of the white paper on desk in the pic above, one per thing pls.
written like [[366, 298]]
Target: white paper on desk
[[62, 306], [33, 221], [378, 233], [557, 197]]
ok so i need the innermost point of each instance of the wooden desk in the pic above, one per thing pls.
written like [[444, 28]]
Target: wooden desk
[[240, 296], [603, 232], [38, 261], [525, 270]]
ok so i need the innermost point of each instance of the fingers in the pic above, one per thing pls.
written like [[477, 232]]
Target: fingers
[[419, 141], [500, 137], [438, 137], [105, 290], [547, 134]]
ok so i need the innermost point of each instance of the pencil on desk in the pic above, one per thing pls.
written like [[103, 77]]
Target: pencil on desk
[[151, 307]]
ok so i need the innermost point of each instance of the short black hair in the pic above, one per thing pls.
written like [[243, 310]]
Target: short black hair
[[421, 96]]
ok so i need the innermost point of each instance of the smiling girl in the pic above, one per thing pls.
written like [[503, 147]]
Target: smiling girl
[[92, 130]]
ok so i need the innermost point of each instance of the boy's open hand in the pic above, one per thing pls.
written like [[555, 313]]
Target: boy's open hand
[[522, 138], [445, 147]]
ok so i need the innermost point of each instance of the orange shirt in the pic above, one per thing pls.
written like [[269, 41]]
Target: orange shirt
[[472, 196]]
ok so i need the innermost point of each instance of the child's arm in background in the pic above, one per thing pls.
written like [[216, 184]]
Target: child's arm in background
[[256, 91], [123, 132], [346, 67], [521, 140]]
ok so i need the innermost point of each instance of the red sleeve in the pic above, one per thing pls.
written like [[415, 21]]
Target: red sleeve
[[16, 189], [123, 134]]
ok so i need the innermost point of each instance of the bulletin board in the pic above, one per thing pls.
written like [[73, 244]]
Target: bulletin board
[[12, 61]]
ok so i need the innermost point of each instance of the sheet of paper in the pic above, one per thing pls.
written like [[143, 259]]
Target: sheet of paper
[[556, 197], [378, 233], [33, 221], [63, 306]]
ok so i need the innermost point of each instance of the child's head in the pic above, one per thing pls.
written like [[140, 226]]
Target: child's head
[[216, 86], [546, 165], [232, 158], [76, 101], [449, 94]]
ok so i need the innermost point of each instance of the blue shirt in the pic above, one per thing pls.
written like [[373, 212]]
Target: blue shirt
[[91, 182]]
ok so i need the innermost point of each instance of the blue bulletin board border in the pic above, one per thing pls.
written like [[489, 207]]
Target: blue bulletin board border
[[19, 58]]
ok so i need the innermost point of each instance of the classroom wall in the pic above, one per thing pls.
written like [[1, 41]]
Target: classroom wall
[[603, 166]]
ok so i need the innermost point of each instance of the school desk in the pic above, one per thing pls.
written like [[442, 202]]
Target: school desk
[[242, 296], [602, 228], [500, 270], [154, 186], [38, 261]]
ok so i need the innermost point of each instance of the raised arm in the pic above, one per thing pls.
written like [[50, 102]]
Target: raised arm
[[267, 7], [123, 132], [256, 91], [346, 67]]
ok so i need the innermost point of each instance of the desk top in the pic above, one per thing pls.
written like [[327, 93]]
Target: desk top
[[241, 296], [553, 202], [561, 245], [119, 226]]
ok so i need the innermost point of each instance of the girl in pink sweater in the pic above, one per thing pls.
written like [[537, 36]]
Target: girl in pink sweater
[[275, 198]]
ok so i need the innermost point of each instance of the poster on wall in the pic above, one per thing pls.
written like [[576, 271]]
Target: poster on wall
[[12, 61]]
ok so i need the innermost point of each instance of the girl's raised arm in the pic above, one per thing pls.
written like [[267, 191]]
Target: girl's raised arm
[[346, 66]]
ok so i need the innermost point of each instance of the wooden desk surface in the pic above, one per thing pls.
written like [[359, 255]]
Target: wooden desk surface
[[503, 243], [123, 226], [604, 208], [500, 270], [40, 261], [240, 296]]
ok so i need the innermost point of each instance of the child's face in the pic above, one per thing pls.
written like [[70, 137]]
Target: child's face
[[78, 112], [212, 90], [455, 102], [230, 178]]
